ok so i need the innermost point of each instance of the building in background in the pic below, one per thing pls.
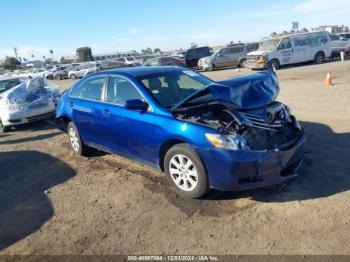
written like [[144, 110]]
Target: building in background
[[334, 29]]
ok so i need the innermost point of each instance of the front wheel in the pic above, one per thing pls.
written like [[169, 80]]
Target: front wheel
[[73, 76], [75, 140], [185, 171], [274, 64], [4, 129]]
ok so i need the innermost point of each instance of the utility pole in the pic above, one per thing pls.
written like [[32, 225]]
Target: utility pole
[[16, 52]]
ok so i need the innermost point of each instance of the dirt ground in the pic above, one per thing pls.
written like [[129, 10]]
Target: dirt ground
[[53, 202]]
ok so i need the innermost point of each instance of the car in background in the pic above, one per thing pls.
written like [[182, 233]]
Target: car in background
[[229, 56], [82, 71], [24, 100], [194, 54], [291, 49], [345, 35], [128, 60], [227, 135], [180, 54], [58, 73], [165, 61], [339, 44]]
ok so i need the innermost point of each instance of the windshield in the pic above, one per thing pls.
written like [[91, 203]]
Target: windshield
[[269, 45], [8, 84], [170, 88]]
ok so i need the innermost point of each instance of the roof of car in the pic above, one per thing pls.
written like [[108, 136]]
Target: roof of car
[[139, 71]]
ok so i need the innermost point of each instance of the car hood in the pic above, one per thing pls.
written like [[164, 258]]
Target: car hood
[[257, 53], [244, 92]]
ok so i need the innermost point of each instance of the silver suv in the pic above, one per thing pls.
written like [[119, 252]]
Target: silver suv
[[228, 56]]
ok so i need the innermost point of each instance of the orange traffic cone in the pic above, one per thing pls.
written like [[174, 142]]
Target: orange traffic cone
[[328, 81]]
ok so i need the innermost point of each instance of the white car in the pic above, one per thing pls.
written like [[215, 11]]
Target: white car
[[24, 100], [81, 72], [339, 44], [291, 49]]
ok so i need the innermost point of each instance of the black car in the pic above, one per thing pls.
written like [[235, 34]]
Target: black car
[[165, 61], [194, 54]]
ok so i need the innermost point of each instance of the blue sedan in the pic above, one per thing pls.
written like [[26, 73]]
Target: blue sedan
[[227, 135]]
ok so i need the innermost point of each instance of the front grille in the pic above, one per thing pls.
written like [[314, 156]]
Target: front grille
[[259, 122]]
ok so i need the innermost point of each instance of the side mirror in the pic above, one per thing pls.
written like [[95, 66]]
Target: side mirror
[[136, 104]]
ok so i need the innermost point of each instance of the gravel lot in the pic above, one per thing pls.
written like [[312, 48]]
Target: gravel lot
[[53, 202]]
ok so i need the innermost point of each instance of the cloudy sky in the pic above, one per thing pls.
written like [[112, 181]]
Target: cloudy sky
[[35, 26]]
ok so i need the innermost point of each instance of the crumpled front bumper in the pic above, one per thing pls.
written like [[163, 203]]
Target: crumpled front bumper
[[245, 169]]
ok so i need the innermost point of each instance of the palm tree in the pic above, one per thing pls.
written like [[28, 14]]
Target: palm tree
[[32, 56], [44, 57], [51, 52]]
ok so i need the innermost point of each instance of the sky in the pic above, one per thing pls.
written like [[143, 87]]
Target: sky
[[35, 26]]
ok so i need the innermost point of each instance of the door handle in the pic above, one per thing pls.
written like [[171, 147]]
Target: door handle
[[71, 104], [106, 111]]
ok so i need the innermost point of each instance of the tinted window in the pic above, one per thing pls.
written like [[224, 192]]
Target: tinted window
[[234, 50], [92, 88], [224, 51], [334, 37], [120, 90]]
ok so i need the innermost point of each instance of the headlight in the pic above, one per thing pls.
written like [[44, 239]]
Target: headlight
[[262, 59], [232, 142]]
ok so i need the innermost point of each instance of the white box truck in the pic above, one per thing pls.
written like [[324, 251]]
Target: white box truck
[[291, 49]]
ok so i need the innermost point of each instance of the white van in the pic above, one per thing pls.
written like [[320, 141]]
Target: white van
[[291, 49]]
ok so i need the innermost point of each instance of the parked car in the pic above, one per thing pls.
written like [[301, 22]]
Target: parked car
[[165, 61], [57, 73], [291, 49], [339, 44], [227, 135], [345, 35], [24, 100], [228, 56], [194, 54], [81, 72]]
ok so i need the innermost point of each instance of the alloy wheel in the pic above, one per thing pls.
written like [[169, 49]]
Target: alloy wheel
[[74, 139], [183, 172]]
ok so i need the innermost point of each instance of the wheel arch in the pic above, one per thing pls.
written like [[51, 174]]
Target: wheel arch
[[165, 147]]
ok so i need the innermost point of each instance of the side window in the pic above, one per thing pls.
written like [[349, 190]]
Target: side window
[[235, 50], [285, 43], [76, 91], [92, 88], [224, 51], [120, 90], [335, 37]]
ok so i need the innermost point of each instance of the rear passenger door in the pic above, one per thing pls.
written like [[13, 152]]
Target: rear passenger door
[[87, 109]]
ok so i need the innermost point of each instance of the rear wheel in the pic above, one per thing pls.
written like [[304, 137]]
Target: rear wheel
[[73, 76], [75, 140], [185, 171], [242, 63], [319, 58]]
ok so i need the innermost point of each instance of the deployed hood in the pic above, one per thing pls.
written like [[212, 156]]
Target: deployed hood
[[244, 92]]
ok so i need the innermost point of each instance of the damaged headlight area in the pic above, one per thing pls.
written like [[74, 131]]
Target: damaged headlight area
[[232, 142], [265, 128]]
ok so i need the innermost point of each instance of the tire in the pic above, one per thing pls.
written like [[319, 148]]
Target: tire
[[4, 129], [73, 76], [190, 181], [274, 64], [75, 141], [319, 58], [242, 63], [57, 77], [211, 68]]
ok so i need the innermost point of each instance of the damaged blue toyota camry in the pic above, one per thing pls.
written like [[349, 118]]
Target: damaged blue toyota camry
[[225, 135]]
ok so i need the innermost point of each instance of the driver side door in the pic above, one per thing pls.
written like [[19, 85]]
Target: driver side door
[[128, 132]]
